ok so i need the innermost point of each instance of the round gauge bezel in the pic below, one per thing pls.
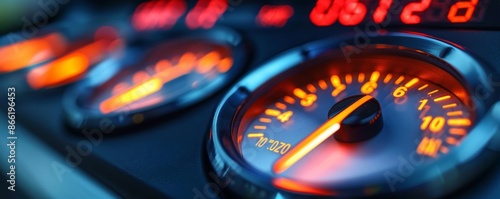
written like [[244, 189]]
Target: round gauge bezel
[[78, 117], [473, 152]]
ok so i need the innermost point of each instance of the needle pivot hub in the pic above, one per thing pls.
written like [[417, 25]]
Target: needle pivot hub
[[362, 124]]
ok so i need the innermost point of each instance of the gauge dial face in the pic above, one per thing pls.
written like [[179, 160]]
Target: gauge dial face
[[156, 79], [344, 124], [170, 70]]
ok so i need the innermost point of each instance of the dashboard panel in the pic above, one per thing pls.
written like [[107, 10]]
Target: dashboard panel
[[251, 99]]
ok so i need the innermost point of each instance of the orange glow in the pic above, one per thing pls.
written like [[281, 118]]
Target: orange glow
[[452, 141], [162, 65], [457, 131], [374, 77], [450, 105], [348, 78], [322, 84], [299, 93], [381, 11], [444, 149], [207, 62], [205, 13], [339, 87], [459, 122], [69, 67], [368, 87], [225, 64], [422, 104], [265, 120], [289, 100], [429, 146], [290, 185], [280, 105], [432, 92], [276, 16], [119, 87], [411, 82], [470, 6], [255, 135], [260, 127], [311, 88], [316, 137], [186, 61], [136, 93], [399, 80], [387, 78], [30, 52], [338, 90], [284, 117], [442, 98], [423, 87], [400, 92], [308, 100], [454, 113], [59, 71], [361, 78], [165, 73], [272, 112], [335, 81], [408, 16], [140, 76], [434, 124], [159, 14]]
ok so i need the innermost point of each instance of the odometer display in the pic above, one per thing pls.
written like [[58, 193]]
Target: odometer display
[[348, 13]]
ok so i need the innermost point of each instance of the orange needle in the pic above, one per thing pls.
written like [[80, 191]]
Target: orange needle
[[316, 137], [148, 87]]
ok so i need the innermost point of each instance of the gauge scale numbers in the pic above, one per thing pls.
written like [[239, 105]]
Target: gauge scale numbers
[[352, 123]]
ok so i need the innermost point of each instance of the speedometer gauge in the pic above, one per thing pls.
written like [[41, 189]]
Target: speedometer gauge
[[171, 75], [388, 118]]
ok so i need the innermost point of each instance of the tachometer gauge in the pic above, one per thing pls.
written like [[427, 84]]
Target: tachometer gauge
[[399, 116], [171, 75]]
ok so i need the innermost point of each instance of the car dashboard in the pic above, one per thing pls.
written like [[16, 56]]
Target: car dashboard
[[250, 99]]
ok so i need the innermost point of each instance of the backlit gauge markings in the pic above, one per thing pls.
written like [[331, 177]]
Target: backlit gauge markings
[[454, 123], [438, 132], [371, 84], [337, 85], [146, 84], [268, 143], [280, 114]]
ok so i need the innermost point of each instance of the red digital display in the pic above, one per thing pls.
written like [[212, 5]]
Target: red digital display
[[205, 14], [274, 16], [160, 14], [469, 8], [353, 12]]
